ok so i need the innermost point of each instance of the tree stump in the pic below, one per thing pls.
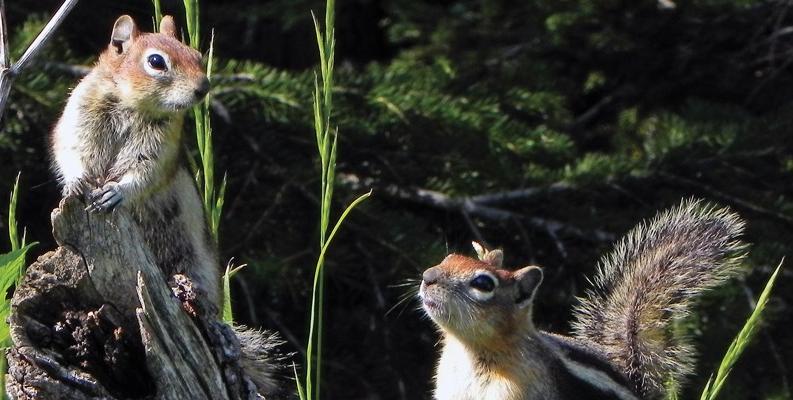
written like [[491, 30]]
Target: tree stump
[[97, 319]]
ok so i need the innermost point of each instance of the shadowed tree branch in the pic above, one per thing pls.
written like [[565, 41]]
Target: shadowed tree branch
[[480, 206]]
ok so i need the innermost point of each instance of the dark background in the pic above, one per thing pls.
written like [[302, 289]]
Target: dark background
[[610, 110]]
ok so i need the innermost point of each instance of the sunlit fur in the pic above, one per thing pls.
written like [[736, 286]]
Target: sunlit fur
[[121, 129], [262, 360], [452, 305], [623, 347], [134, 88], [491, 349], [650, 280]]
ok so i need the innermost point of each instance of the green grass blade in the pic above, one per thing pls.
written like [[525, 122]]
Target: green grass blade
[[192, 18], [318, 116], [3, 369], [323, 60], [210, 56], [330, 18], [13, 233], [741, 341], [320, 260], [320, 330], [12, 266], [212, 198], [300, 392], [157, 14], [217, 212], [327, 146], [341, 220], [328, 91], [228, 316]]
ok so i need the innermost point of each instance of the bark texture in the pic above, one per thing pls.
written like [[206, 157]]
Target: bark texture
[[97, 319]]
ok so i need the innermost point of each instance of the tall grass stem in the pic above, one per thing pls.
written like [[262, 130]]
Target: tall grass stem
[[327, 138], [741, 341]]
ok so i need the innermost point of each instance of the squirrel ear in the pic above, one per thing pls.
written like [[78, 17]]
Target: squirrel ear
[[168, 26], [479, 249], [494, 258], [124, 31], [527, 280]]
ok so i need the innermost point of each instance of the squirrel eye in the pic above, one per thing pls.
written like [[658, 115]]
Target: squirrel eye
[[157, 62], [484, 283]]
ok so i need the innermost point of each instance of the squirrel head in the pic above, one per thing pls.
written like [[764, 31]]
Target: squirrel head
[[478, 302], [153, 72]]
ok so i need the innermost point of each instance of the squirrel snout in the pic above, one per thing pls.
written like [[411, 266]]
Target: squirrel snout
[[202, 89], [431, 275]]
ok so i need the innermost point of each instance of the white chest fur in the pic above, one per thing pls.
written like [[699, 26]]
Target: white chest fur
[[459, 378]]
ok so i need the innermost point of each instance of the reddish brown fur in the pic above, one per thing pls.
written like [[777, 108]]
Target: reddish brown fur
[[118, 144], [500, 315], [626, 344], [459, 265], [183, 58]]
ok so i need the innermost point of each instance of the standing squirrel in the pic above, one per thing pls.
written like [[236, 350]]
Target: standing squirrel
[[623, 344], [118, 143]]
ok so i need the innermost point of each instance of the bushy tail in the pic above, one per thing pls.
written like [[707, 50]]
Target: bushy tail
[[263, 361], [648, 281]]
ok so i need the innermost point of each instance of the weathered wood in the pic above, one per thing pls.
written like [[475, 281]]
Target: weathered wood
[[98, 319], [171, 341]]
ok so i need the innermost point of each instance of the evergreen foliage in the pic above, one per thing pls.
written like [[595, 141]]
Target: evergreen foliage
[[608, 110]]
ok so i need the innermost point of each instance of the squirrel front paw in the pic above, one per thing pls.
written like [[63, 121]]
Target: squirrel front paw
[[105, 199]]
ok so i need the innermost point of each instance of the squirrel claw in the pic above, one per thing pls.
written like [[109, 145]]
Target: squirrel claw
[[105, 199]]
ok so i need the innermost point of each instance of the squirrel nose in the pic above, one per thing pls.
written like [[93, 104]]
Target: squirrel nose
[[202, 89], [431, 275]]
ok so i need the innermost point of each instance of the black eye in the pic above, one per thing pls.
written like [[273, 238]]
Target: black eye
[[484, 283], [157, 62]]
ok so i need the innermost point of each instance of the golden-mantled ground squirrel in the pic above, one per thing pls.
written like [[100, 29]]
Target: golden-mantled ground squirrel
[[623, 345], [118, 143]]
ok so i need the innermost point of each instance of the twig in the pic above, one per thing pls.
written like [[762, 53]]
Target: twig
[[366, 234], [263, 216], [727, 197], [246, 294], [520, 194], [74, 70], [284, 330], [4, 60], [592, 112], [44, 35], [8, 73], [471, 207], [596, 109], [527, 245], [474, 230]]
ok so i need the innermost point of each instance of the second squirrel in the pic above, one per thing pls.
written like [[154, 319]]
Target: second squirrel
[[623, 345]]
